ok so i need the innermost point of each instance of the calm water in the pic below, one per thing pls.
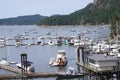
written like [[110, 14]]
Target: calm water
[[40, 55]]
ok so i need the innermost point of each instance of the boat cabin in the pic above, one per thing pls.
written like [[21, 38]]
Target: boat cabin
[[102, 62], [60, 60]]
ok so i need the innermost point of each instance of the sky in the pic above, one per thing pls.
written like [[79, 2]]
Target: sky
[[14, 8]]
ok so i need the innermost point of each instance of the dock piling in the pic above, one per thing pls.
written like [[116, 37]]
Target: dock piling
[[24, 66]]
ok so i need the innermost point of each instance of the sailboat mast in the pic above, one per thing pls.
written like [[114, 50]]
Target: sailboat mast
[[117, 31]]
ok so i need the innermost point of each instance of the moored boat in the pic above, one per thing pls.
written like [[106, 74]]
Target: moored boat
[[29, 65], [71, 73], [60, 60], [51, 42], [2, 41], [5, 62]]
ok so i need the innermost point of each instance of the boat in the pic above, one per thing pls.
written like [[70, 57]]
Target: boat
[[48, 33], [61, 59], [58, 42], [5, 62], [71, 73], [29, 65], [40, 40], [51, 42], [18, 42], [2, 41]]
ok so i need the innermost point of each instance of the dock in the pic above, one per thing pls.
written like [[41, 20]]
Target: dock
[[29, 75], [10, 68], [99, 72], [19, 75]]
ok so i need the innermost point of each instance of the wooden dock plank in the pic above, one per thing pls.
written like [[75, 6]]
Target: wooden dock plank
[[10, 68], [19, 75], [29, 75]]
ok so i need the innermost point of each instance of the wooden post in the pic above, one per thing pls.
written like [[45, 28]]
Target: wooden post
[[78, 69], [78, 54], [33, 40], [24, 63], [83, 55]]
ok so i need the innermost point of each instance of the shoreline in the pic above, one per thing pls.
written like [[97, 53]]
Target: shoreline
[[102, 25]]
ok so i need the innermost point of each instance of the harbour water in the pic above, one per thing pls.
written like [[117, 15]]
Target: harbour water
[[40, 55]]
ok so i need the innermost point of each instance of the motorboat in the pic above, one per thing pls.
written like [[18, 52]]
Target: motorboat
[[51, 42], [40, 40], [71, 73], [61, 59], [28, 64]]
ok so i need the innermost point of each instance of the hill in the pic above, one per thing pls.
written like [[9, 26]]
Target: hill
[[98, 12], [22, 20]]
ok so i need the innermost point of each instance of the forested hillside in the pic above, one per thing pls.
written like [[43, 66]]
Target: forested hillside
[[99, 12], [22, 20]]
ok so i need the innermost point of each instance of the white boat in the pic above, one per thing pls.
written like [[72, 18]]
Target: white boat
[[48, 33], [51, 42], [60, 60], [51, 61], [29, 65], [71, 73], [2, 41], [81, 40], [18, 42], [5, 62]]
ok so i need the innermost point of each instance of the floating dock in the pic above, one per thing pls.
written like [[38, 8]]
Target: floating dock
[[10, 68], [29, 75], [19, 75]]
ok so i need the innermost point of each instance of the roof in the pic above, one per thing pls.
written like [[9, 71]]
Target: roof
[[101, 57], [61, 51]]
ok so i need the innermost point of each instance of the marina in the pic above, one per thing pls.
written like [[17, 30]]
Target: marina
[[60, 40], [40, 54]]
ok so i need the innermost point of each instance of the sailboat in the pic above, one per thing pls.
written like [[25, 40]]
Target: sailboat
[[4, 60], [2, 41]]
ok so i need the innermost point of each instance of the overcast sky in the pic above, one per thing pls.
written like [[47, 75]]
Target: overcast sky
[[14, 8]]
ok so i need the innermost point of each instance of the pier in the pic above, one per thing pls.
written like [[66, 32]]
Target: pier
[[29, 75], [10, 68], [19, 75]]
